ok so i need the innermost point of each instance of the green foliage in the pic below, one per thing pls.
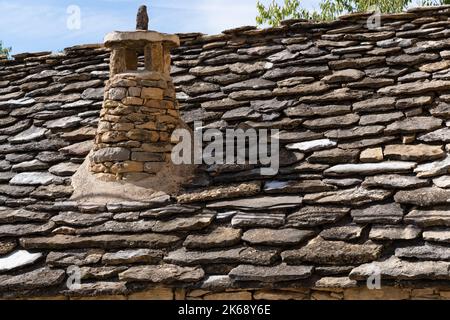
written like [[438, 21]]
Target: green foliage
[[331, 9], [4, 51]]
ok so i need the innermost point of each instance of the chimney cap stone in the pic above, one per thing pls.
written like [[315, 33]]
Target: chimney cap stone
[[140, 38]]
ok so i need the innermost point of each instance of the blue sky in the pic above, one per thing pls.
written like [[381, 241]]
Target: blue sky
[[29, 26]]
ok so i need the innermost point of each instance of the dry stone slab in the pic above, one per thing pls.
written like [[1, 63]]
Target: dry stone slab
[[219, 237], [281, 272], [165, 273], [311, 216], [437, 236], [418, 152], [245, 255], [18, 259], [77, 258], [429, 218], [414, 125], [371, 168], [433, 169], [394, 268], [108, 241], [423, 197], [395, 181], [294, 186], [424, 252], [276, 237], [309, 146], [258, 203], [442, 182], [145, 256], [440, 135], [250, 219], [356, 196], [36, 279], [391, 213], [379, 232], [32, 179], [344, 233], [322, 251]]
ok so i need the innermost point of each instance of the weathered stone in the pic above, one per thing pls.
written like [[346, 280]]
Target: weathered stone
[[442, 182], [346, 232], [166, 273], [252, 84], [437, 236], [223, 192], [395, 181], [64, 169], [109, 241], [334, 156], [356, 132], [394, 268], [36, 279], [32, 133], [311, 216], [78, 149], [418, 152], [424, 252], [118, 227], [196, 222], [169, 210], [378, 232], [321, 251], [281, 272], [266, 203], [332, 122], [433, 169], [440, 135], [375, 105], [416, 87], [18, 259], [413, 102], [63, 123], [219, 237], [276, 237], [356, 63], [381, 213], [371, 168], [248, 219], [245, 255], [355, 196], [294, 186], [344, 76], [380, 118], [21, 215], [8, 230], [74, 258], [423, 197], [428, 218], [77, 219], [309, 146], [372, 155], [302, 89], [223, 104], [111, 154], [7, 246], [146, 256]]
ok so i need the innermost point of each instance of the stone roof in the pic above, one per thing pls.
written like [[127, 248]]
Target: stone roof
[[363, 181]]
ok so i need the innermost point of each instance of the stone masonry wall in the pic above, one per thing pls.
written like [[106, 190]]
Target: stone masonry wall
[[136, 122], [363, 181]]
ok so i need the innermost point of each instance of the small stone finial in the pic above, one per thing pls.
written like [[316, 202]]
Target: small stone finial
[[142, 19]]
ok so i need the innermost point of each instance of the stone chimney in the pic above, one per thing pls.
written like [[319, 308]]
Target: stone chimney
[[139, 111]]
